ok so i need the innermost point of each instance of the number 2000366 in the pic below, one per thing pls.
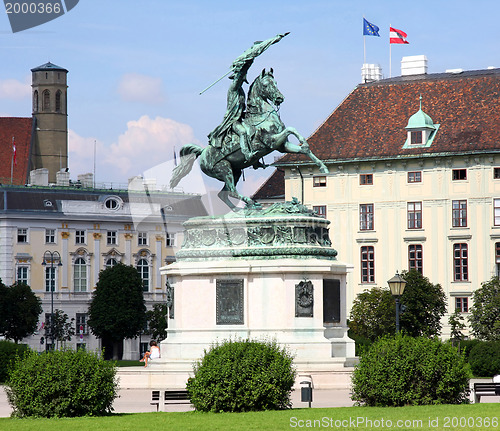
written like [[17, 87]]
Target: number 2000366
[[33, 8]]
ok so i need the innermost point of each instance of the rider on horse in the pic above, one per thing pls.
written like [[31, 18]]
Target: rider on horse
[[232, 121]]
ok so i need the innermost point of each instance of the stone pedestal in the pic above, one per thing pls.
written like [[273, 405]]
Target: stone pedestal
[[261, 274]]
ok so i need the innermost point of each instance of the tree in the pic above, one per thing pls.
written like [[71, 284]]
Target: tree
[[158, 321], [372, 314], [62, 329], [456, 324], [20, 309], [423, 304], [117, 310], [485, 311]]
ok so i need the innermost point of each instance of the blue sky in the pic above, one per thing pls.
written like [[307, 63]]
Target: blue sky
[[136, 67]]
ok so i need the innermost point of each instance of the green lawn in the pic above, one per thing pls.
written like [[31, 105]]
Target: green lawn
[[443, 417]]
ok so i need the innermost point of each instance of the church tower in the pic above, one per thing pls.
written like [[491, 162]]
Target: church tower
[[50, 114]]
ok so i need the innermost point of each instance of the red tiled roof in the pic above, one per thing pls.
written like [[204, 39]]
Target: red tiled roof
[[273, 188], [21, 130], [370, 123]]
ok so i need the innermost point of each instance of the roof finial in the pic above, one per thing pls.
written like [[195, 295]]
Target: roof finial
[[420, 100]]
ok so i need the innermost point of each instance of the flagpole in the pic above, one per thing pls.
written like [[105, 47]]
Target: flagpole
[[390, 52], [12, 164], [364, 44]]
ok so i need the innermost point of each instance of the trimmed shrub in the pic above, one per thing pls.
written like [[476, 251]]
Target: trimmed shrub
[[63, 383], [8, 353], [404, 370], [241, 376], [484, 359], [466, 346]]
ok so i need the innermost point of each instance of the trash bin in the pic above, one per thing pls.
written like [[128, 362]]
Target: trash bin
[[306, 395]]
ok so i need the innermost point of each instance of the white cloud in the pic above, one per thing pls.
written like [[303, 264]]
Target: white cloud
[[146, 143], [134, 87], [14, 89]]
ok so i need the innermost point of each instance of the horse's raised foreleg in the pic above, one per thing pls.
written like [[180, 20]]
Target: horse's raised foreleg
[[288, 147]]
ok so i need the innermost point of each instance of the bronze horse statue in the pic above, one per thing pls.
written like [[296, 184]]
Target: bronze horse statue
[[267, 134]]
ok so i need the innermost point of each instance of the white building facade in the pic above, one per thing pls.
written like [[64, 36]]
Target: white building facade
[[90, 230]]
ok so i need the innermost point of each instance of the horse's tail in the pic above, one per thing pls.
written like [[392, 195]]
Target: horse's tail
[[189, 153]]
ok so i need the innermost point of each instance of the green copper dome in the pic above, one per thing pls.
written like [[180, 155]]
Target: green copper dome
[[420, 120]]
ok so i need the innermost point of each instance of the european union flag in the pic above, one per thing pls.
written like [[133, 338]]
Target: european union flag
[[370, 29]]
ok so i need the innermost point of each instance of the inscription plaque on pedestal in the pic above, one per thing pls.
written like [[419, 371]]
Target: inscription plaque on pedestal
[[229, 301]]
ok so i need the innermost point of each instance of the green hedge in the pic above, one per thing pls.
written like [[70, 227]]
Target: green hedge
[[404, 370], [63, 383], [8, 353], [484, 358], [245, 375]]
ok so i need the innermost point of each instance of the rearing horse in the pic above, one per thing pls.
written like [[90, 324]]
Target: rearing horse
[[267, 133]]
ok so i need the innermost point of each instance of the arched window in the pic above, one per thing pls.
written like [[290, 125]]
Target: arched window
[[58, 101], [35, 101], [143, 268], [46, 100], [111, 262], [80, 275]]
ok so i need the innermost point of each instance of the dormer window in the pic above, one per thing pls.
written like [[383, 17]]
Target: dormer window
[[420, 130], [416, 138]]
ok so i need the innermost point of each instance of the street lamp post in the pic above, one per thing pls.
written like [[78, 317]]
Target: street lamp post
[[49, 257], [397, 285]]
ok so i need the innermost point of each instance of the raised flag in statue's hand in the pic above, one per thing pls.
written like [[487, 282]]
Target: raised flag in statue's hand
[[370, 29]]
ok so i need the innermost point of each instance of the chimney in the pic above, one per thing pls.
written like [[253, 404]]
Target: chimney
[[370, 73], [86, 180], [39, 177], [62, 178], [414, 65]]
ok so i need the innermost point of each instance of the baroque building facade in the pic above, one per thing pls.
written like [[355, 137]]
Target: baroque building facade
[[90, 230], [414, 181]]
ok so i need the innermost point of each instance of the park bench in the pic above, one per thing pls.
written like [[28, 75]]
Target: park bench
[[485, 390], [170, 396]]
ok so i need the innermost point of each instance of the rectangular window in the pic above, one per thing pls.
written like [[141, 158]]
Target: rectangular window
[[367, 264], [22, 274], [319, 181], [365, 179], [80, 275], [111, 237], [22, 235], [81, 324], [496, 173], [496, 212], [462, 304], [170, 240], [142, 238], [414, 215], [50, 279], [497, 258], [415, 177], [80, 237], [459, 213], [50, 236], [320, 210], [459, 174], [416, 137], [460, 262], [366, 217], [415, 257]]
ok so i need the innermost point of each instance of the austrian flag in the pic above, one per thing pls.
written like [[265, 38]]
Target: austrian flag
[[397, 36]]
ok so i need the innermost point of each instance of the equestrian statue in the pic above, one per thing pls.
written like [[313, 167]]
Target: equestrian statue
[[250, 129]]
